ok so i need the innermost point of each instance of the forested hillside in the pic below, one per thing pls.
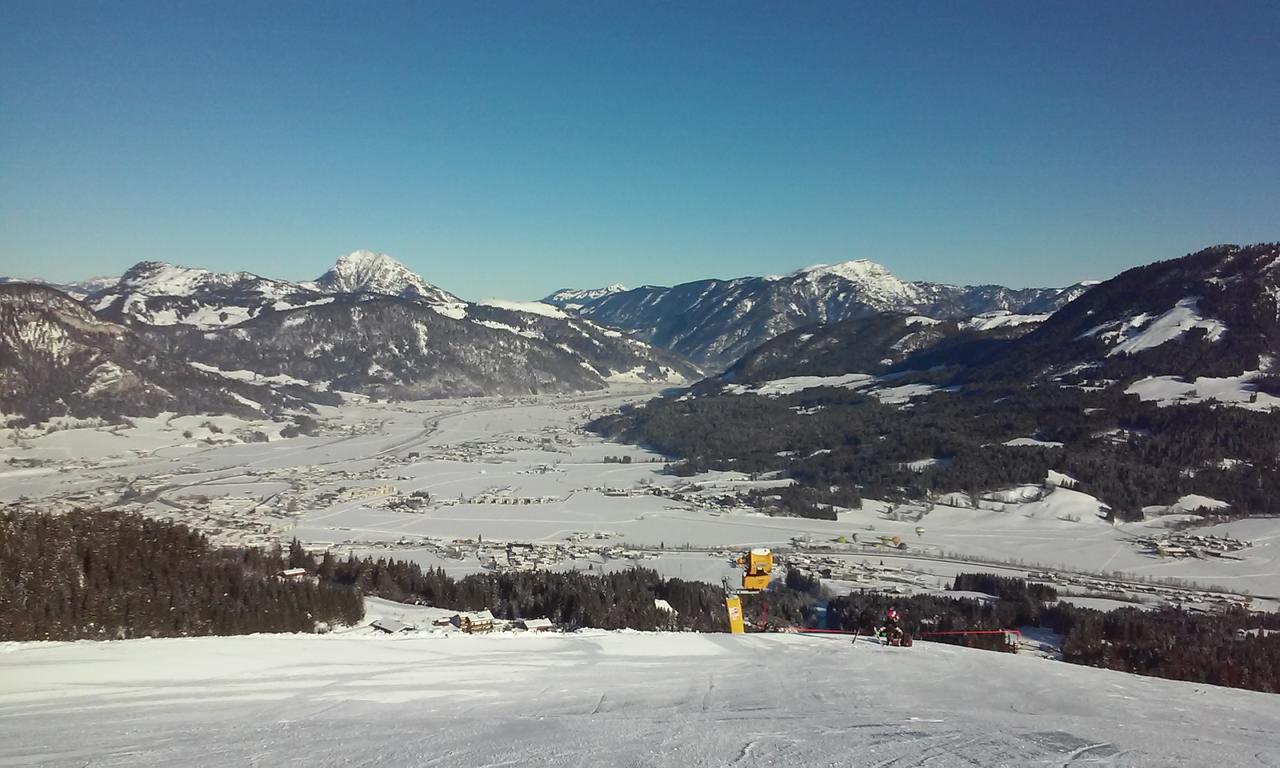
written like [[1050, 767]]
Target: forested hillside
[[620, 600], [104, 576], [1184, 645], [1128, 453], [99, 575], [1148, 387]]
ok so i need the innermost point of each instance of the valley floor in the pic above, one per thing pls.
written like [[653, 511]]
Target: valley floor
[[523, 470], [601, 698]]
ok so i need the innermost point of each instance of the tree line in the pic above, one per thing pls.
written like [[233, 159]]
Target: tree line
[[104, 576], [1165, 642], [619, 600], [844, 445]]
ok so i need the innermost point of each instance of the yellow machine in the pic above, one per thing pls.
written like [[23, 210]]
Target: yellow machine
[[733, 604], [757, 565]]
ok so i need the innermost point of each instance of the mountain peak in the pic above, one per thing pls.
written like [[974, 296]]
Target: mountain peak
[[160, 278], [856, 270], [368, 272], [363, 258], [567, 296]]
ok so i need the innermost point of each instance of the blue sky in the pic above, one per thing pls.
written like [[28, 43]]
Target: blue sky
[[507, 149]]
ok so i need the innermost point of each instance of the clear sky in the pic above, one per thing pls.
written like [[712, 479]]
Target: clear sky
[[507, 149]]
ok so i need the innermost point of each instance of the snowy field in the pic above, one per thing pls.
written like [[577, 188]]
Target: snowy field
[[523, 470], [601, 698]]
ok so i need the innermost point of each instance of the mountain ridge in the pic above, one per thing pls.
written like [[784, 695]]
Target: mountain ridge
[[715, 322], [1157, 384], [386, 332]]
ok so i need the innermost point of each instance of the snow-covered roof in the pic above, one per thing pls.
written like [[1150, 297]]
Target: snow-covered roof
[[390, 625], [475, 616]]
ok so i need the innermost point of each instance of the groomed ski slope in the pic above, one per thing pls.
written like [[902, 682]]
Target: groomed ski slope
[[601, 699]]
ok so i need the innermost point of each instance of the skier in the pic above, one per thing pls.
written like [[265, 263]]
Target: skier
[[892, 632]]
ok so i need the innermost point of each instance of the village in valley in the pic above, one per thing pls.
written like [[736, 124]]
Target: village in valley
[[496, 486]]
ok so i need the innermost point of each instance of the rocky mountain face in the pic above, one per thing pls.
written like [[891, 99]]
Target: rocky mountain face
[[1154, 391], [59, 359], [76, 290], [368, 325], [888, 342], [1212, 316], [1215, 313], [155, 293], [377, 273], [385, 347], [610, 354], [865, 345], [574, 298], [714, 322], [399, 348]]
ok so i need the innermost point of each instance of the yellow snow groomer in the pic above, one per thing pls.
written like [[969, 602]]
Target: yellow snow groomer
[[757, 565]]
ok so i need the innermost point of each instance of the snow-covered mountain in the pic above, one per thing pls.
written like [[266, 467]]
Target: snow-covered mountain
[[157, 293], [394, 333], [81, 288], [867, 345], [59, 359], [714, 322], [1154, 385], [368, 272], [1214, 313], [399, 348], [77, 290], [573, 298], [879, 343], [1211, 314]]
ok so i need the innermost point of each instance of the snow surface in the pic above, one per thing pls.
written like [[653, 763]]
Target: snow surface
[[1194, 502], [1069, 505], [576, 297], [1237, 391], [640, 375], [250, 376], [793, 384], [497, 326], [1100, 603], [1138, 333], [1002, 319], [369, 272], [454, 311], [902, 393], [532, 307], [601, 698], [857, 270], [922, 465], [891, 395], [1032, 442], [1059, 479], [161, 279]]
